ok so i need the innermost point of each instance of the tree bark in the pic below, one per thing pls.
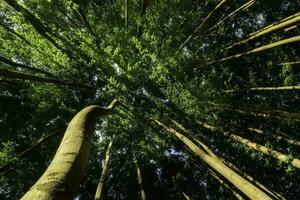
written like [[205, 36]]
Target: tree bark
[[259, 49], [202, 24], [282, 88], [242, 184], [271, 29], [24, 76], [18, 65], [62, 178], [99, 190], [275, 154], [140, 180], [7, 167]]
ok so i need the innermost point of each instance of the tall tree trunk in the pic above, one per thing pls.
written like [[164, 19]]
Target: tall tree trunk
[[186, 196], [242, 184], [279, 114], [223, 183], [62, 178], [284, 137], [275, 23], [275, 154], [259, 49], [283, 88], [140, 180], [271, 29], [244, 6], [274, 194], [99, 190], [18, 65], [24, 76], [9, 167], [202, 24]]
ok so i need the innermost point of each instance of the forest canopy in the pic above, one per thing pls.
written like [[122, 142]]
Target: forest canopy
[[148, 99]]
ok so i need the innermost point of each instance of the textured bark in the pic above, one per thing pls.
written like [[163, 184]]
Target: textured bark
[[24, 76], [275, 154], [202, 24], [99, 190], [140, 180], [283, 137], [259, 49], [242, 184], [62, 178], [266, 89], [271, 29]]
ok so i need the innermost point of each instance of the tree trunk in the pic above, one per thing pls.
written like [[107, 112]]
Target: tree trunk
[[275, 154], [62, 178], [18, 65], [269, 30], [104, 172], [274, 194], [259, 49], [202, 24], [140, 180], [283, 88], [7, 167], [242, 184], [223, 183], [24, 76], [274, 24], [186, 196], [244, 6], [284, 137], [258, 112]]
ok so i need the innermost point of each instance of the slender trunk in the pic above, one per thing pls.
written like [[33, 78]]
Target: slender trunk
[[126, 14], [290, 63], [259, 49], [258, 112], [186, 196], [143, 8], [7, 28], [274, 24], [268, 30], [223, 183], [266, 89], [62, 178], [24, 76], [244, 6], [38, 26], [242, 184], [206, 149], [18, 65], [7, 167], [104, 172], [202, 24], [140, 180], [284, 138], [270, 152]]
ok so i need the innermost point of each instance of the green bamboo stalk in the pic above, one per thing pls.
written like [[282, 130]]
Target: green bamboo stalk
[[259, 49], [283, 88], [202, 24], [267, 31]]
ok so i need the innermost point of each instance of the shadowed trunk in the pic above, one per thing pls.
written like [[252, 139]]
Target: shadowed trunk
[[99, 190], [242, 184], [62, 178]]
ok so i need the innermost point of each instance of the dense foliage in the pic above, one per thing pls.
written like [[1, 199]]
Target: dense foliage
[[193, 62]]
